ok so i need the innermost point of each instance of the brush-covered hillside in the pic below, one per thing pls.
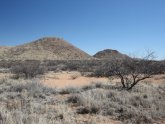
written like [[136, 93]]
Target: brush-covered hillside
[[110, 54], [47, 48]]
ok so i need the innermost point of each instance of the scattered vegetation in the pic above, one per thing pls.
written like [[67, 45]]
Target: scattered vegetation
[[28, 69], [143, 105], [131, 71], [30, 102]]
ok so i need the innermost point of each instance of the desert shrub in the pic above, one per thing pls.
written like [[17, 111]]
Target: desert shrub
[[101, 72], [130, 71], [72, 65], [4, 70], [73, 99], [29, 102], [2, 81], [34, 87], [100, 85], [87, 110], [9, 63], [144, 104], [161, 89], [28, 69], [69, 90], [5, 64], [88, 87], [61, 115]]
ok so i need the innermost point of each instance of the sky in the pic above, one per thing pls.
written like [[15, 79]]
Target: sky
[[129, 26]]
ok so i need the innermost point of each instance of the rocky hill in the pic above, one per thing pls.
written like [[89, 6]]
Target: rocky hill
[[47, 48], [110, 54]]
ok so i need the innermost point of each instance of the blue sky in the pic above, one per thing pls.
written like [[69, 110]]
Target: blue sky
[[130, 26]]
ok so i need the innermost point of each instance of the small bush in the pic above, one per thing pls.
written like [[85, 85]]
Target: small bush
[[87, 110], [34, 88], [73, 99], [28, 69], [144, 104], [69, 90]]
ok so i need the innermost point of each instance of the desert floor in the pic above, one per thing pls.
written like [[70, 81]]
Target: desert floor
[[73, 79], [66, 79]]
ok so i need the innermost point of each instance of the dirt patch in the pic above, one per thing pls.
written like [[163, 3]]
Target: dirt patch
[[75, 79], [69, 79], [5, 75], [156, 79]]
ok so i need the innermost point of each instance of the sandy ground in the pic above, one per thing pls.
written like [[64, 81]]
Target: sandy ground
[[5, 75], [75, 79], [69, 79], [157, 79]]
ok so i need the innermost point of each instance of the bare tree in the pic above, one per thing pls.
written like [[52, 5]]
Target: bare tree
[[132, 71]]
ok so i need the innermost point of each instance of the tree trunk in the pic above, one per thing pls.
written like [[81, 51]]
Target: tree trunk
[[122, 82], [132, 85]]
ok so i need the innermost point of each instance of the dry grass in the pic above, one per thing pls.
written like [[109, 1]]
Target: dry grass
[[32, 102], [145, 104]]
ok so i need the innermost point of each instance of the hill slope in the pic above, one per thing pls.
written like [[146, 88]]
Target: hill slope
[[44, 49], [110, 54]]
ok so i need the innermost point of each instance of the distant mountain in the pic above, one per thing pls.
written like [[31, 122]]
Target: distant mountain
[[110, 54], [47, 48]]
